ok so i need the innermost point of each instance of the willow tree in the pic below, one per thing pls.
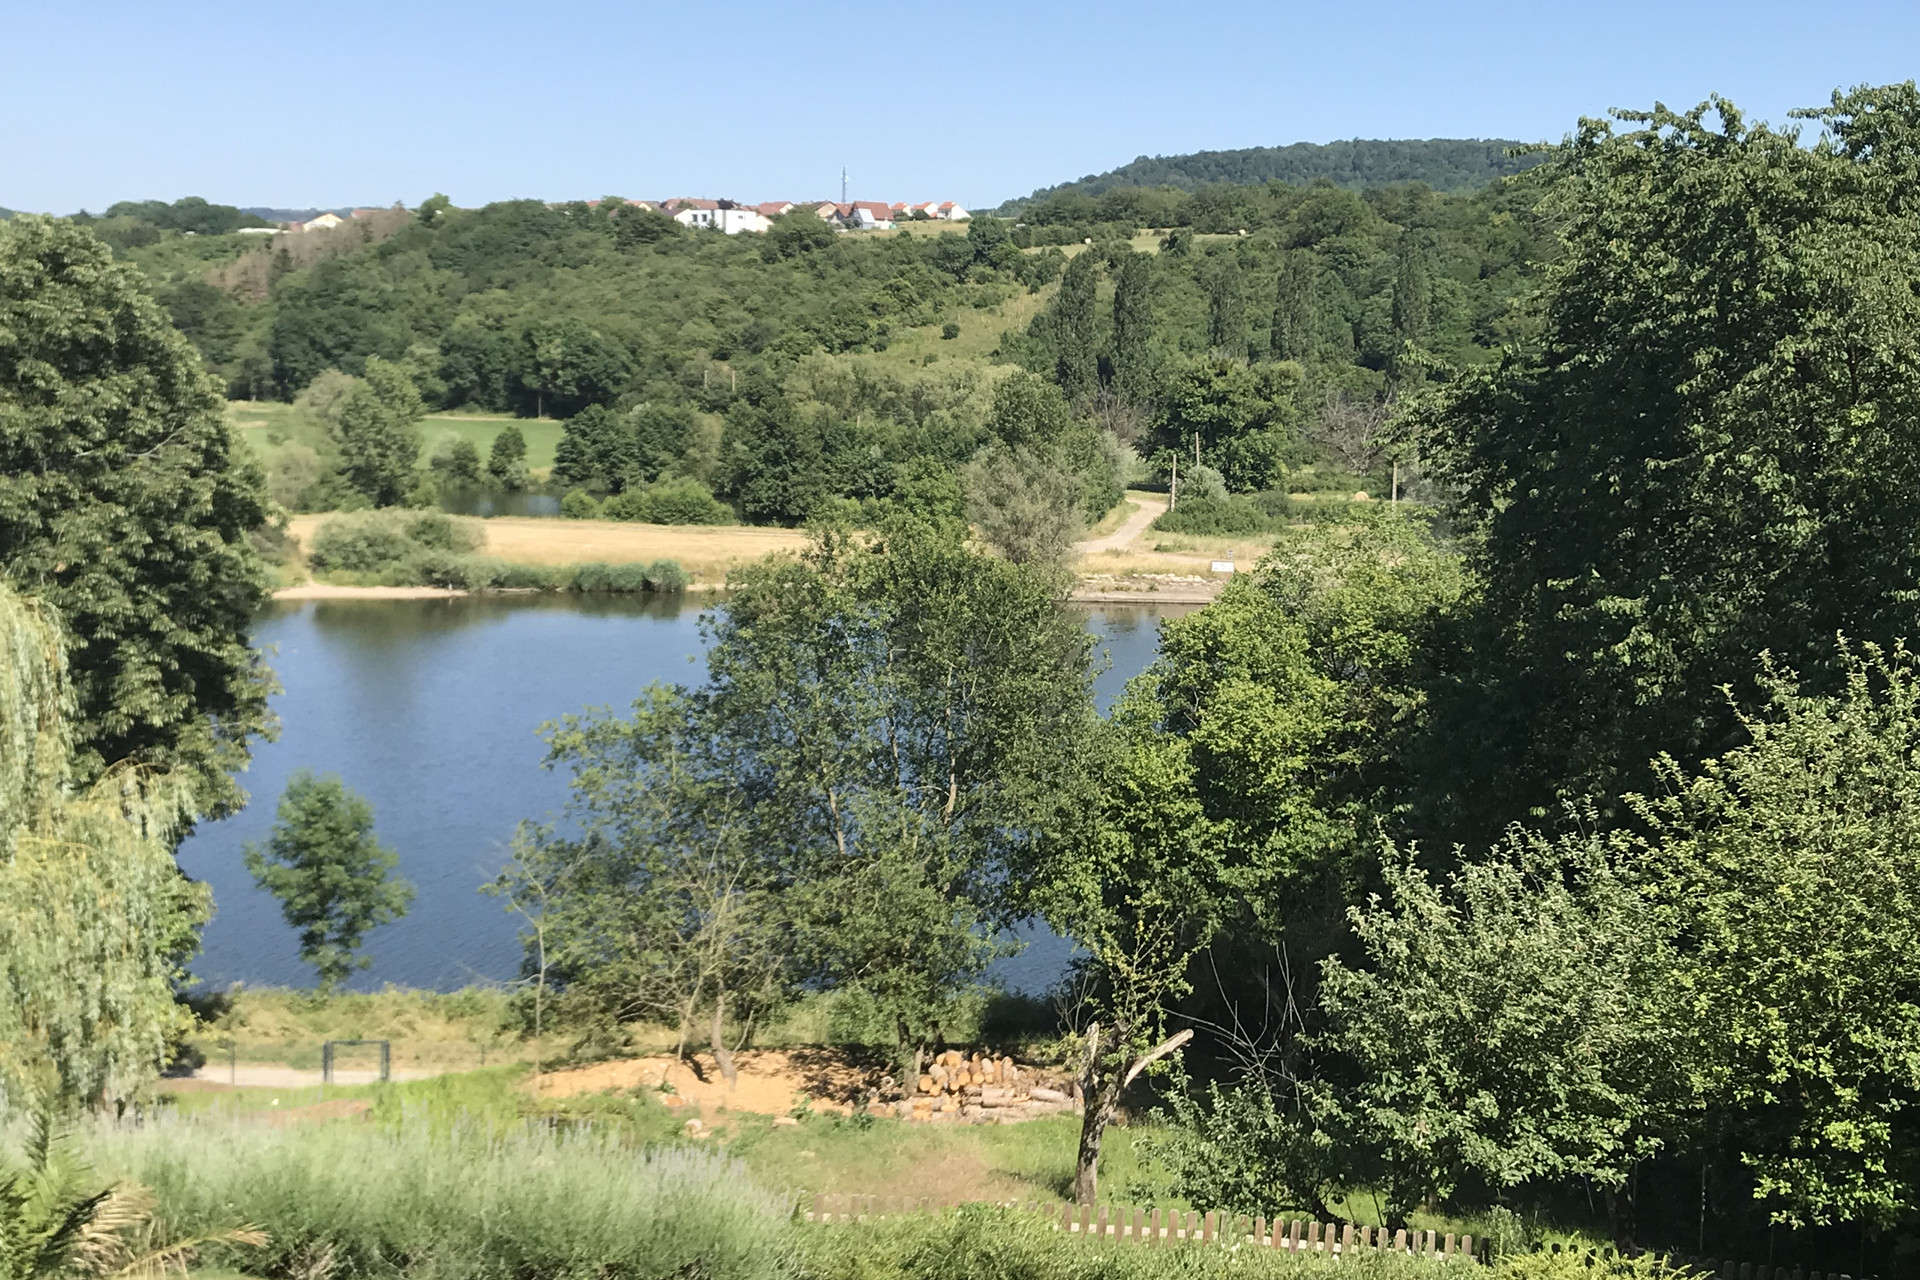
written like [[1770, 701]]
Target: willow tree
[[94, 916]]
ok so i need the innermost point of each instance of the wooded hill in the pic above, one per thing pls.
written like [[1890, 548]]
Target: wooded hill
[[782, 362], [1445, 164]]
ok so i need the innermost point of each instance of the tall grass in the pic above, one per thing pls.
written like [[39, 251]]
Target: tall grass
[[427, 1202]]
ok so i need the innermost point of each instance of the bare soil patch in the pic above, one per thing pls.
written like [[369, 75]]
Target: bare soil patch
[[772, 1081]]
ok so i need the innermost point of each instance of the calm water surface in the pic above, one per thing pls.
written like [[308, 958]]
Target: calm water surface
[[431, 710]]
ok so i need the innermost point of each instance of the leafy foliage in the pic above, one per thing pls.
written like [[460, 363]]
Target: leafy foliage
[[333, 879], [1759, 496], [95, 920], [125, 507]]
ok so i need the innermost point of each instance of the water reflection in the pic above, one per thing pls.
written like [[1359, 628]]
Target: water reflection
[[431, 709]]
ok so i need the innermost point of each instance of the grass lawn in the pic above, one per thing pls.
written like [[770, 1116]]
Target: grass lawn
[[265, 423], [908, 350], [542, 435]]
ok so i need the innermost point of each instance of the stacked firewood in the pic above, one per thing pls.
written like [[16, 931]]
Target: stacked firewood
[[983, 1089]]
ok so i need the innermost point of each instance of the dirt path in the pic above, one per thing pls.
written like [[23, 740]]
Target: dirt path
[[1146, 509], [255, 1076]]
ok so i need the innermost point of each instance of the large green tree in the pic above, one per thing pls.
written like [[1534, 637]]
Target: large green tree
[[1789, 871], [125, 505], [654, 902], [1706, 454], [333, 879], [891, 723], [379, 432]]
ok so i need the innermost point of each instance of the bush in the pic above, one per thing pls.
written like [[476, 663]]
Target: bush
[[384, 542], [1268, 512], [949, 331], [364, 543], [984, 1243], [670, 500], [1216, 516], [578, 504], [460, 1202], [661, 576]]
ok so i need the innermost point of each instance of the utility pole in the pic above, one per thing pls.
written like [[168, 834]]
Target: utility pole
[[1173, 486], [1396, 484], [1196, 448]]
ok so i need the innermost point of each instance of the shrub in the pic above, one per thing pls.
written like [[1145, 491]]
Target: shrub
[[595, 577], [391, 544], [1216, 516], [424, 1201], [626, 505], [440, 531], [667, 576], [578, 504], [949, 331], [984, 1243], [682, 500], [359, 543]]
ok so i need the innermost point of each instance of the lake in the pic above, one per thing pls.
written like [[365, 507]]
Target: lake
[[431, 710]]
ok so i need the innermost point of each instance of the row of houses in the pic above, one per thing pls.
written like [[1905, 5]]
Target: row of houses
[[323, 222], [733, 217]]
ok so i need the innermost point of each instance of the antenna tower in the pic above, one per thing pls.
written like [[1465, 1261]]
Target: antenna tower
[[843, 184]]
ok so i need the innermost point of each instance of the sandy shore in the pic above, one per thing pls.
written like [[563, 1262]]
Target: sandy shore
[[1098, 591], [322, 591]]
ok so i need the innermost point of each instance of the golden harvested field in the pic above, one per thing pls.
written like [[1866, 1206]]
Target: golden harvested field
[[705, 551]]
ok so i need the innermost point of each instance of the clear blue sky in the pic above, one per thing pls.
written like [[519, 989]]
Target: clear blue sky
[[289, 103]]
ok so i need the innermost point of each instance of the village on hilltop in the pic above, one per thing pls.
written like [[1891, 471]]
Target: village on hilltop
[[733, 217]]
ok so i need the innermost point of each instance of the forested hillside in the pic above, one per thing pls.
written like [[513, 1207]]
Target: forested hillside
[[763, 367], [1445, 164]]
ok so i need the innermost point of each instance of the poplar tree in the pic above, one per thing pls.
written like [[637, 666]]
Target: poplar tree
[[1072, 326], [1133, 328], [1227, 309], [1292, 336]]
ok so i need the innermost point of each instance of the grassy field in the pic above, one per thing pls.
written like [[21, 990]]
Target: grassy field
[[265, 423], [910, 351], [823, 1154]]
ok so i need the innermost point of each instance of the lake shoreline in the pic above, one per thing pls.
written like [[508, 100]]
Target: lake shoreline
[[1086, 591]]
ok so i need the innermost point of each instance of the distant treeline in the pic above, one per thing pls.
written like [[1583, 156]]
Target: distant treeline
[[1445, 164]]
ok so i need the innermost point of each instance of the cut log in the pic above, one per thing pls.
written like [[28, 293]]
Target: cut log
[[1040, 1094]]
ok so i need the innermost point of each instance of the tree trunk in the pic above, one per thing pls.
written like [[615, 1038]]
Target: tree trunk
[[909, 1054], [729, 1070], [1098, 1107]]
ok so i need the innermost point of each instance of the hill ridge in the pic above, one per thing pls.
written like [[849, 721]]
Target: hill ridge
[[1445, 164]]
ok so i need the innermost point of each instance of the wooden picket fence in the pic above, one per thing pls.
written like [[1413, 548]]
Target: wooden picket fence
[[1171, 1226]]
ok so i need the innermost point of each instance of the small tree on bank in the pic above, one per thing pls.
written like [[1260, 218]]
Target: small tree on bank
[[378, 440], [507, 460], [333, 879]]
